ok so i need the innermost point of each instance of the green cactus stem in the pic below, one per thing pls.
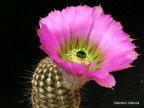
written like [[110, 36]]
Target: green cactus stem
[[52, 87]]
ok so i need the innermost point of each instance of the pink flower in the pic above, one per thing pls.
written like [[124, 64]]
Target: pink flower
[[87, 43]]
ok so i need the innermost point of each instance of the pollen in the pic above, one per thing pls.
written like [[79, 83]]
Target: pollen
[[79, 60], [79, 56]]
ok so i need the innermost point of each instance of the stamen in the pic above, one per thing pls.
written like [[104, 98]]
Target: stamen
[[79, 56]]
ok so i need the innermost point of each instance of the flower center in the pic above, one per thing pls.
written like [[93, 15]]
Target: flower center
[[77, 51], [81, 54]]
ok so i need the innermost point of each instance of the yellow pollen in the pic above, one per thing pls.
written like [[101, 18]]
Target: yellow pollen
[[79, 60], [71, 56]]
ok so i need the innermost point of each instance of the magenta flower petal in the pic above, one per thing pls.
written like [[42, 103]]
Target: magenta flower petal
[[79, 29], [78, 69], [51, 47], [124, 46], [101, 73], [108, 82], [87, 43], [59, 30], [115, 63]]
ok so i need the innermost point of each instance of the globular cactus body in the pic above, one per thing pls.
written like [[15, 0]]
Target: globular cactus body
[[54, 88]]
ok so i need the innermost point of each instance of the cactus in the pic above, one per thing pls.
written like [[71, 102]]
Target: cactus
[[88, 45], [52, 87]]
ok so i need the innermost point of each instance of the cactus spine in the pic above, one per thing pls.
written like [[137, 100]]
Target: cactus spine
[[54, 88]]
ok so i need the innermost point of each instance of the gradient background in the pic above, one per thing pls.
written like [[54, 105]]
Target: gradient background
[[19, 46]]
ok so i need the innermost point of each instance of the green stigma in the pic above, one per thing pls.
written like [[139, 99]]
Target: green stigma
[[81, 54]]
